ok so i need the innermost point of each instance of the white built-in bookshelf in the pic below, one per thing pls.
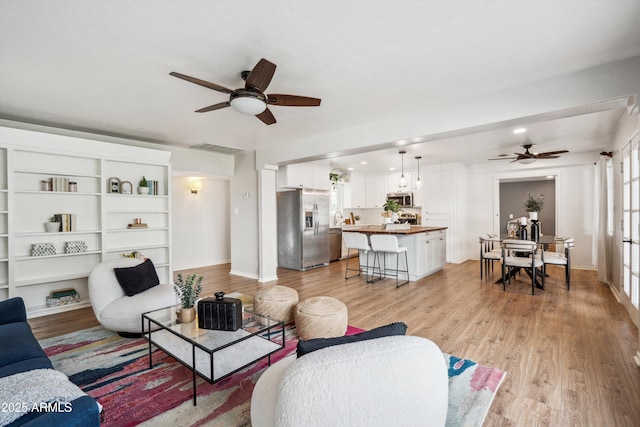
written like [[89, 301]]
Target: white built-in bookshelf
[[81, 171]]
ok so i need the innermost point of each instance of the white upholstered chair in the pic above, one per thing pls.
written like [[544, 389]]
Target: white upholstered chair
[[561, 258], [489, 252], [117, 311], [522, 254], [390, 381]]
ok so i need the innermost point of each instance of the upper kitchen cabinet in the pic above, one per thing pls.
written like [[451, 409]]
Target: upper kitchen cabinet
[[376, 190], [304, 176], [358, 191]]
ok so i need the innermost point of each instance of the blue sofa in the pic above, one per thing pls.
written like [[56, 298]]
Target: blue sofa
[[21, 352]]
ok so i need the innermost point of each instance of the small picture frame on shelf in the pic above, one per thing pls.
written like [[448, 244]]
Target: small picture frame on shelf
[[126, 187], [113, 185]]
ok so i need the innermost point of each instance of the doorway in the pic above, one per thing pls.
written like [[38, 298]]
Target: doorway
[[512, 196]]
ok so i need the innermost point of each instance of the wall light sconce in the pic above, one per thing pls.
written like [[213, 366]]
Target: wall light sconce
[[195, 187]]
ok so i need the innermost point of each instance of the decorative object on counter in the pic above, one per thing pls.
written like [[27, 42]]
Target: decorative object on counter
[[43, 249], [188, 290], [62, 297], [220, 313], [143, 186], [534, 204], [75, 247], [403, 181], [391, 209], [356, 219], [512, 228], [53, 226], [126, 187], [113, 185]]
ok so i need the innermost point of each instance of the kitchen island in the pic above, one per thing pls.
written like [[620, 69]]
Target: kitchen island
[[426, 248]]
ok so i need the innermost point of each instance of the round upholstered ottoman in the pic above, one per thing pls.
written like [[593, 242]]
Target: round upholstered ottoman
[[321, 317], [278, 302]]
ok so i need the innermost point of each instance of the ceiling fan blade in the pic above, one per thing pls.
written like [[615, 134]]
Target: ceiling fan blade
[[201, 82], [547, 157], [503, 158], [551, 153], [267, 117], [214, 107], [523, 155], [292, 100], [261, 75]]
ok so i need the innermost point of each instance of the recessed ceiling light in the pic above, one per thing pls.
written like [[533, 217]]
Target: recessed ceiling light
[[349, 169], [519, 130], [363, 163], [392, 168]]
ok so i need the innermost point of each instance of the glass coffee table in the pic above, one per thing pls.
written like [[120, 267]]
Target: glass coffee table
[[212, 354]]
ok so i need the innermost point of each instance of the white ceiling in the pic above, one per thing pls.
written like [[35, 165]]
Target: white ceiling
[[103, 66]]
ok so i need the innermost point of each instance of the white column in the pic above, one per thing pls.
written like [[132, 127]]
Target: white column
[[267, 225]]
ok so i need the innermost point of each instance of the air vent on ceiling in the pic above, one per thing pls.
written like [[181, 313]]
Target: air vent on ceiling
[[217, 148]]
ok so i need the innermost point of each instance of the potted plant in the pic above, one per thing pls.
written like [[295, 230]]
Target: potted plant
[[391, 209], [143, 186], [188, 290], [334, 177], [52, 226], [533, 205]]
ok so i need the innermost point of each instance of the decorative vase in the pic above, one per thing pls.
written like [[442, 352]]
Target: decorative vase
[[533, 216], [52, 227], [394, 217], [186, 315], [143, 190]]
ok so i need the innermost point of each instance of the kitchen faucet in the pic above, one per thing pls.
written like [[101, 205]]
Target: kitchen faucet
[[335, 218]]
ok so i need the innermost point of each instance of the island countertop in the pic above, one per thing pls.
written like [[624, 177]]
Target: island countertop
[[379, 229]]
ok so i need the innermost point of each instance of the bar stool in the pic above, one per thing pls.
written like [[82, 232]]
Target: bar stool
[[387, 243], [359, 242]]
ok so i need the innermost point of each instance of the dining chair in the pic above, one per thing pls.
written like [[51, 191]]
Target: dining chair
[[560, 258], [359, 242], [521, 254], [385, 243], [488, 252]]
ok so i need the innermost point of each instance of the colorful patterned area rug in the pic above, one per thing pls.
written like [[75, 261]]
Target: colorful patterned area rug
[[115, 371]]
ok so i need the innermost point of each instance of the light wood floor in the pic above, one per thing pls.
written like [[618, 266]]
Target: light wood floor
[[568, 354]]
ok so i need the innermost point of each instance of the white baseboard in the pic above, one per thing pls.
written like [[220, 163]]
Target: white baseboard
[[615, 291], [243, 274], [637, 358]]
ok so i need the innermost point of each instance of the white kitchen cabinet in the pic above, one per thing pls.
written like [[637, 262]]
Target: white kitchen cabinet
[[101, 217], [376, 190], [358, 191], [304, 176], [430, 252]]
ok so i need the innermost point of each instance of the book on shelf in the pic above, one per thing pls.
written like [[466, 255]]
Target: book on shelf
[[137, 226], [68, 221]]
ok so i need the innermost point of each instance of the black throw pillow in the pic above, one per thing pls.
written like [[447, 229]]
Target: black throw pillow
[[308, 346], [134, 280]]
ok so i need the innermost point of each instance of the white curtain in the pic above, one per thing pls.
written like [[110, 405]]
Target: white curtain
[[603, 249]]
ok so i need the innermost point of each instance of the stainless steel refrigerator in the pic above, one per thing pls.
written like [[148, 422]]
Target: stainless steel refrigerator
[[303, 229]]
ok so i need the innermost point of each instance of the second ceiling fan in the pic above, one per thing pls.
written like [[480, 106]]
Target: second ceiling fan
[[528, 157], [251, 99]]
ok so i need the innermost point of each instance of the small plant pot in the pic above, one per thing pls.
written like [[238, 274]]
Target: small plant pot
[[52, 227], [186, 315], [143, 190]]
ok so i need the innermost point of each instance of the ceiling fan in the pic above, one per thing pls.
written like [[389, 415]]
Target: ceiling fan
[[251, 99], [528, 157]]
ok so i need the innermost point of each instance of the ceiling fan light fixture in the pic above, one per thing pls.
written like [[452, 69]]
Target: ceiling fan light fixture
[[248, 105], [527, 160]]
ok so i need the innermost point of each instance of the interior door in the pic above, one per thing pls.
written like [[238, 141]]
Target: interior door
[[631, 228]]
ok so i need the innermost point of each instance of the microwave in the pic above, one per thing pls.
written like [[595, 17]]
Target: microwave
[[405, 200]]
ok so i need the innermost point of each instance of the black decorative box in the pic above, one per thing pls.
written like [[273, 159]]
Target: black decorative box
[[220, 313]]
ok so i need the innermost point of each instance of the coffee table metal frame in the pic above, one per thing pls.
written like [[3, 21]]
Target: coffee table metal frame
[[258, 334]]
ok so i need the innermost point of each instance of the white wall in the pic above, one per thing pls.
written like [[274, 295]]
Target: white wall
[[200, 223], [244, 223]]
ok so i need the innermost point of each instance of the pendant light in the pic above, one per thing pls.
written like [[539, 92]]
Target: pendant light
[[418, 184], [403, 181]]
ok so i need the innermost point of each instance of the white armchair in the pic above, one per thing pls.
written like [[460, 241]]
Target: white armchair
[[116, 311], [390, 381]]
